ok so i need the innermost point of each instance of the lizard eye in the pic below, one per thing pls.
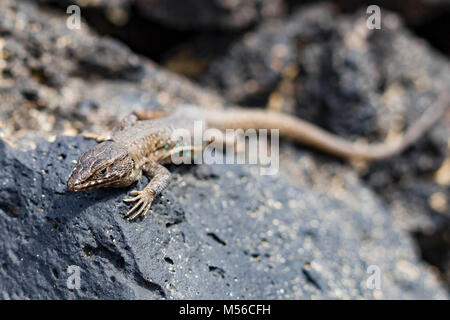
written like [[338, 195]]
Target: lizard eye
[[103, 171]]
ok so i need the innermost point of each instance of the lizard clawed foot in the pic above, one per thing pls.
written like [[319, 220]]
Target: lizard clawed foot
[[144, 199]]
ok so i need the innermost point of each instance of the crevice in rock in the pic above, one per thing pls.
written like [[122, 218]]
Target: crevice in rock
[[216, 238], [435, 250]]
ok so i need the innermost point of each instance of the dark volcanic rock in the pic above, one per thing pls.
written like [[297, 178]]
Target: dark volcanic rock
[[334, 71], [252, 237], [331, 69], [186, 14], [414, 12], [216, 232]]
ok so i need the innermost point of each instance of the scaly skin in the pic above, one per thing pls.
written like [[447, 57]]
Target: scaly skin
[[141, 146]]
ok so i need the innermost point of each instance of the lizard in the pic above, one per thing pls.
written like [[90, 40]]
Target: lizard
[[142, 143]]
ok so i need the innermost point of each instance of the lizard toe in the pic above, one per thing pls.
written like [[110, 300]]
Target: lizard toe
[[132, 199], [140, 195], [145, 199]]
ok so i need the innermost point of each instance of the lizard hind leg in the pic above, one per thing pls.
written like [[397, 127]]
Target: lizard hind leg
[[144, 200], [145, 197]]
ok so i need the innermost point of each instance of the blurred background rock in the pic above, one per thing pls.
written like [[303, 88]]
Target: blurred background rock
[[314, 60]]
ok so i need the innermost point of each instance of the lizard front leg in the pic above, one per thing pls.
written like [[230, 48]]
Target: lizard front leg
[[144, 198]]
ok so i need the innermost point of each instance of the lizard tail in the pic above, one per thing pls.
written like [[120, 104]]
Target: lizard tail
[[313, 136]]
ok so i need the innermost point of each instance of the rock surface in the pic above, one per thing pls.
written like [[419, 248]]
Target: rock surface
[[331, 69]]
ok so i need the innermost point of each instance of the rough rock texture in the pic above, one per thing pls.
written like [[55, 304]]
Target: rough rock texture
[[426, 18], [415, 12], [308, 66], [217, 232], [334, 71], [229, 14]]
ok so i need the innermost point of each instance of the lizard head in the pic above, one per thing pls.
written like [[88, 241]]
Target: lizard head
[[106, 164]]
